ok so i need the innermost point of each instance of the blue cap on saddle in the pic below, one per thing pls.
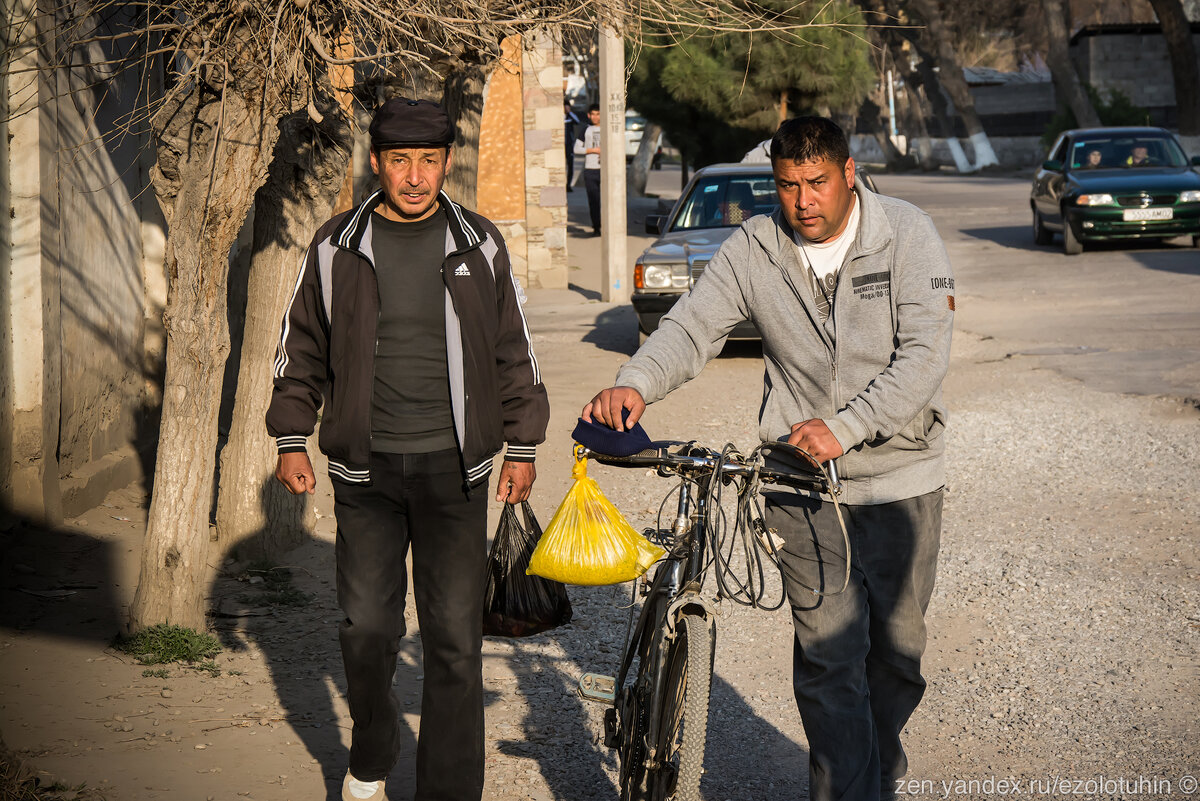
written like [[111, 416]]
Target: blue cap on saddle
[[602, 439]]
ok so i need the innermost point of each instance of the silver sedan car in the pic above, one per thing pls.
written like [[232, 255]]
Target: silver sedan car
[[715, 202]]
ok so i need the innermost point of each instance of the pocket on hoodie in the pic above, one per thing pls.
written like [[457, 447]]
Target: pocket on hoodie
[[920, 431]]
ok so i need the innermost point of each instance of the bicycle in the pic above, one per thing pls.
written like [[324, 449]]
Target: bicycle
[[658, 722]]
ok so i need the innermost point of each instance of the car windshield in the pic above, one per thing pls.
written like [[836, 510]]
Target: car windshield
[[1122, 152], [720, 201]]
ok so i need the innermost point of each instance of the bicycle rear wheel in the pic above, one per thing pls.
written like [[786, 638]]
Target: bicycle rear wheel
[[684, 716]]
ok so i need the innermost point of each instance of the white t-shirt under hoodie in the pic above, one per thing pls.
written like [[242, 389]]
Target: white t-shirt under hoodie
[[825, 259]]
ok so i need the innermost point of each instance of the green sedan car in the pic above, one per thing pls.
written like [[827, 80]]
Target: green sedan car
[[1102, 184]]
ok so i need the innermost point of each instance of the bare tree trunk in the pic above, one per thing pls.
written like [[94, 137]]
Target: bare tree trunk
[[1066, 80], [214, 155], [951, 75], [937, 103], [256, 516], [463, 97], [1182, 50], [639, 169], [914, 110], [869, 111], [912, 113]]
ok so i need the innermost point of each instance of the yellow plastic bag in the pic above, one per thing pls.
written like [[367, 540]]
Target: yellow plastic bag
[[588, 541]]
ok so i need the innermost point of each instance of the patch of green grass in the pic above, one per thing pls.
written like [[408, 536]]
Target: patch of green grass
[[210, 667], [165, 643], [234, 672], [156, 673]]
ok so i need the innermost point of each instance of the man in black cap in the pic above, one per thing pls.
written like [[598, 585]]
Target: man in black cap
[[406, 321]]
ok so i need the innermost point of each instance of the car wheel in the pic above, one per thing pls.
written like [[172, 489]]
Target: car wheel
[[1071, 244], [1041, 234]]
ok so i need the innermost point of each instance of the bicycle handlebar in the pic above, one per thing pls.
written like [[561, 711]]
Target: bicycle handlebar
[[692, 458]]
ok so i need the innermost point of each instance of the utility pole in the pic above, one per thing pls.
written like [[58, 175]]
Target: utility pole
[[614, 281]]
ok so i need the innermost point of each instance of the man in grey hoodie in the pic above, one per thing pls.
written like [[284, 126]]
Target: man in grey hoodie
[[853, 295]]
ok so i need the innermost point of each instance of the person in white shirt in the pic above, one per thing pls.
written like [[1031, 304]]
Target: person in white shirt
[[589, 148]]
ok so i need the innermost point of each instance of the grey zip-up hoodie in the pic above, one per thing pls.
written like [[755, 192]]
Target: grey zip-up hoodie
[[873, 372]]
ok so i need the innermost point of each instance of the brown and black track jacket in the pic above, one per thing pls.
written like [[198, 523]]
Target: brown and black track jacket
[[328, 338]]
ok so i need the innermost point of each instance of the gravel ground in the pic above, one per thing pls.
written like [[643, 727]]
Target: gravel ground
[[1064, 628]]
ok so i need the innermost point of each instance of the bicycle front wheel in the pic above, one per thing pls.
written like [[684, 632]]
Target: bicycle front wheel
[[684, 715]]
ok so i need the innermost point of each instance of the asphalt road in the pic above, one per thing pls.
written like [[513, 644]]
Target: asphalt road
[[1118, 318], [1122, 319]]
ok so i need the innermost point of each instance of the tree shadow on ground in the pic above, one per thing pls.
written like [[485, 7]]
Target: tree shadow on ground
[[588, 294], [1173, 255], [57, 581], [298, 637], [1170, 257], [615, 330], [1017, 237]]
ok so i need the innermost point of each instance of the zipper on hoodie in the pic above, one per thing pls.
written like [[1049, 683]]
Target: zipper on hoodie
[[833, 370]]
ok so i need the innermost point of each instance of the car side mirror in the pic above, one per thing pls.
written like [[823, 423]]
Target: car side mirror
[[654, 223], [1053, 165], [1196, 161]]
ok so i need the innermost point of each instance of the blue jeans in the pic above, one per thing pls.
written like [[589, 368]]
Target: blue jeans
[[856, 668]]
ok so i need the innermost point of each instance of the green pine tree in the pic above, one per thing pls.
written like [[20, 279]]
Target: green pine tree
[[717, 94]]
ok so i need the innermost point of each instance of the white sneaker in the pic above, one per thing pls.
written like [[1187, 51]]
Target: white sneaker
[[354, 790]]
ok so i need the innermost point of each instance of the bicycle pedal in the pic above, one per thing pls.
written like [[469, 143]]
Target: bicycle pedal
[[598, 687]]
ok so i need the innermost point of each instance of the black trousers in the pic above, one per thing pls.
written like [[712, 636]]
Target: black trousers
[[415, 499], [591, 181], [856, 668]]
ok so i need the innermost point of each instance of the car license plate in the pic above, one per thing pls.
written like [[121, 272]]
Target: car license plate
[[1133, 215]]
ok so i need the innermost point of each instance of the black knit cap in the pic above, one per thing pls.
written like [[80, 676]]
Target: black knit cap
[[401, 122]]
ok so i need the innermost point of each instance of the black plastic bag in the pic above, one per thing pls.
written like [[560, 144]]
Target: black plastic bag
[[516, 604]]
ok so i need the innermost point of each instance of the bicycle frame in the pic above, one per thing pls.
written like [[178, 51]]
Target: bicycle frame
[[660, 752], [674, 589]]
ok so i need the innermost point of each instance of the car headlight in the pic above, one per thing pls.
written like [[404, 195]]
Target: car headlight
[[1094, 200], [656, 276], [1190, 196]]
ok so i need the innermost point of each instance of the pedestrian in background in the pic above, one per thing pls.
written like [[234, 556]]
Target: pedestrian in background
[[406, 321], [574, 129], [589, 148]]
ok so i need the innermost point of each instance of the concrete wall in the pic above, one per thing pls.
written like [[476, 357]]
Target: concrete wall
[[102, 292], [77, 300], [1014, 98], [29, 475], [1136, 63]]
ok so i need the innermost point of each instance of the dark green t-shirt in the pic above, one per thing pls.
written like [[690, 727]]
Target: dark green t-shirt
[[410, 410]]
